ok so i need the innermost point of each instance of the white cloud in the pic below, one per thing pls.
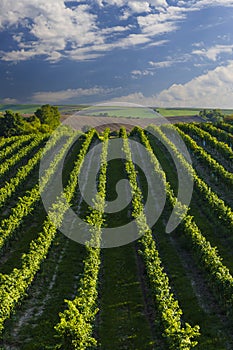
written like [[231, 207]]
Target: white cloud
[[199, 4], [9, 101], [136, 98], [66, 95], [97, 50], [141, 73], [198, 44], [213, 52], [204, 3], [162, 64], [51, 29], [137, 3], [139, 6], [211, 90], [57, 31], [163, 22], [170, 61]]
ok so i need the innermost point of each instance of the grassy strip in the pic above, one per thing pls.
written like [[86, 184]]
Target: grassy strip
[[169, 112], [39, 311], [123, 320]]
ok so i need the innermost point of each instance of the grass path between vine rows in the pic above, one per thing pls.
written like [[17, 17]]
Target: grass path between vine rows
[[123, 321]]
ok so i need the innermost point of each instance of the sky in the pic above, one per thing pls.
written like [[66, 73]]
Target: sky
[[154, 53]]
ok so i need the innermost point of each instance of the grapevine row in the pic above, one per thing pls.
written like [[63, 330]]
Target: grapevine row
[[212, 141], [75, 326], [16, 158], [18, 142], [218, 274], [13, 286], [206, 159], [177, 336], [4, 141], [225, 126], [24, 171], [221, 135], [217, 205], [27, 203], [223, 212]]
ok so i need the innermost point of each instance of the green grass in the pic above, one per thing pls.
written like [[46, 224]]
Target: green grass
[[24, 109], [173, 112], [176, 112], [122, 320]]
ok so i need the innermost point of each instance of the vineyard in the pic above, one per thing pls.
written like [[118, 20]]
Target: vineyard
[[163, 290]]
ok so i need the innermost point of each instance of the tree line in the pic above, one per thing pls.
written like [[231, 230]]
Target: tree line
[[44, 120]]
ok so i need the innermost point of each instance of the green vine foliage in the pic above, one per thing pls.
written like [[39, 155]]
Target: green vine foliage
[[27, 203], [218, 275], [213, 142], [18, 156], [208, 161], [6, 141], [15, 143], [76, 322], [24, 171], [177, 335], [216, 131], [13, 286], [226, 127]]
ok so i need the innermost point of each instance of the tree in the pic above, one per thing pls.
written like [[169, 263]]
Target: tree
[[48, 115], [32, 124], [213, 115], [11, 124]]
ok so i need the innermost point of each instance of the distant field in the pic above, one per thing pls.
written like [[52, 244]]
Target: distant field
[[119, 112], [110, 111], [30, 109], [25, 109], [167, 112]]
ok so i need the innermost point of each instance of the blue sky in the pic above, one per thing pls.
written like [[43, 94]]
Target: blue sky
[[154, 52]]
